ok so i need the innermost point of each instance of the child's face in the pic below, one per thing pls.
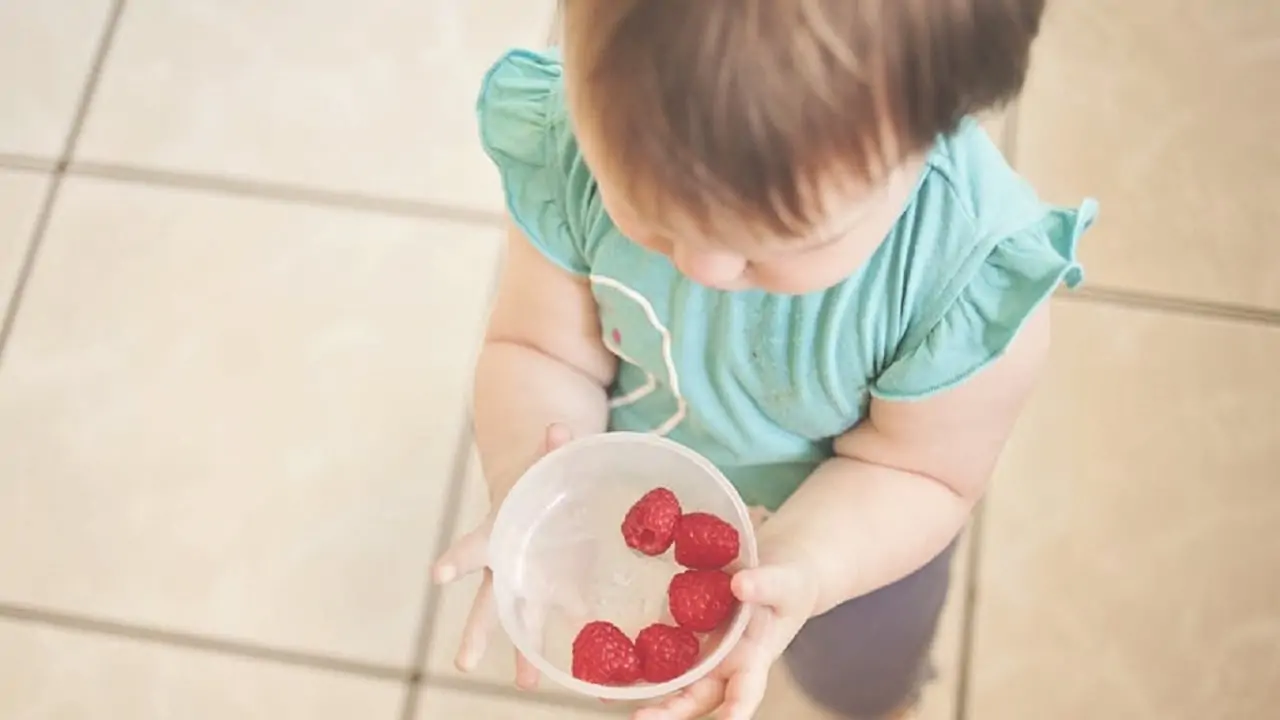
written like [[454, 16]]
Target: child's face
[[740, 257]]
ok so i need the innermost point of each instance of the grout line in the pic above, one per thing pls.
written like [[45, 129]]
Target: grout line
[[1102, 295], [91, 84], [1229, 312], [243, 187], [202, 643], [968, 625], [511, 692], [444, 536], [45, 213], [27, 163], [27, 264]]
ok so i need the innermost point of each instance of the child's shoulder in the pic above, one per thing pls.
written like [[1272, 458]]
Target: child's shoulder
[[974, 255], [521, 108], [972, 208], [525, 129], [982, 189]]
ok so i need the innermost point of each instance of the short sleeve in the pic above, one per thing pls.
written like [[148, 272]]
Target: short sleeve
[[521, 122], [982, 318]]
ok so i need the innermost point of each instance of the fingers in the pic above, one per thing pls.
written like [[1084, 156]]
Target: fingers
[[745, 691], [527, 675], [470, 554], [777, 586], [467, 555], [475, 634], [746, 683], [783, 598], [768, 634], [533, 616], [692, 703]]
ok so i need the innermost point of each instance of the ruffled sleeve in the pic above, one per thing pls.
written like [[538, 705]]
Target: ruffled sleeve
[[977, 320], [522, 128]]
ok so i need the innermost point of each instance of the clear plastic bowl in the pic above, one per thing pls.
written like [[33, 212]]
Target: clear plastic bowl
[[559, 560]]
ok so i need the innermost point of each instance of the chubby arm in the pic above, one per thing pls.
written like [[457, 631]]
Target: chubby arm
[[904, 481], [542, 363]]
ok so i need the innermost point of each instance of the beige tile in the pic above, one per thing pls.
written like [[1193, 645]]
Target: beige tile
[[784, 697], [20, 196], [1131, 562], [439, 704], [1160, 110], [371, 97], [236, 418], [46, 51], [48, 674]]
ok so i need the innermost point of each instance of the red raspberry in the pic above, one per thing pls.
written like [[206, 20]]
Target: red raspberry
[[666, 652], [705, 542], [701, 600], [650, 524], [604, 655]]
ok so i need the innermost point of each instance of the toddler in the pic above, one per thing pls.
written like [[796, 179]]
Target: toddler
[[771, 230]]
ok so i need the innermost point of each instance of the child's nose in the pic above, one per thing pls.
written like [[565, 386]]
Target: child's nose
[[712, 268]]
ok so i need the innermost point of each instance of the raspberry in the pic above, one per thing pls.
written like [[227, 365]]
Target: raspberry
[[666, 652], [701, 600], [650, 524], [705, 542], [604, 655]]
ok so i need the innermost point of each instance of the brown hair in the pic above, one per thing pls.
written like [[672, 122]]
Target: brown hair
[[751, 104]]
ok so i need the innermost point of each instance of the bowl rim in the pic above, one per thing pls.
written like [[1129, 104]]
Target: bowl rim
[[749, 558]]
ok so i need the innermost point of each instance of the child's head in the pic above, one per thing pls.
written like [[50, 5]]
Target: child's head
[[771, 143]]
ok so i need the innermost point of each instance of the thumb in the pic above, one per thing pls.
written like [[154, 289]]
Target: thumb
[[470, 553], [784, 588], [467, 555], [784, 597]]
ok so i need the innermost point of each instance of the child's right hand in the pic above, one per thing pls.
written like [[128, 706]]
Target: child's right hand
[[470, 554]]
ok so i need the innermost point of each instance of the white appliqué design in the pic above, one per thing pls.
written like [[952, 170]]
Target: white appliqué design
[[651, 382]]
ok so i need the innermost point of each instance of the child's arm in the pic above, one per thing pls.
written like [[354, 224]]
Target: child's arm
[[542, 363], [905, 480], [900, 488]]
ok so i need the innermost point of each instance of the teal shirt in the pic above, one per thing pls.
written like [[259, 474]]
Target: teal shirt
[[761, 383]]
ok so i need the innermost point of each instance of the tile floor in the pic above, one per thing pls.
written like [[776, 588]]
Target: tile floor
[[245, 250]]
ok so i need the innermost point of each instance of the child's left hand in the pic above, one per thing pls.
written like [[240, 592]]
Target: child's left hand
[[783, 596]]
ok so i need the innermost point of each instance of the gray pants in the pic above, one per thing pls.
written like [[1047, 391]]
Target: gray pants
[[867, 658]]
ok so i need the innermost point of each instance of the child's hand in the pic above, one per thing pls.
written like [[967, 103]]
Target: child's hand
[[470, 554], [783, 596]]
